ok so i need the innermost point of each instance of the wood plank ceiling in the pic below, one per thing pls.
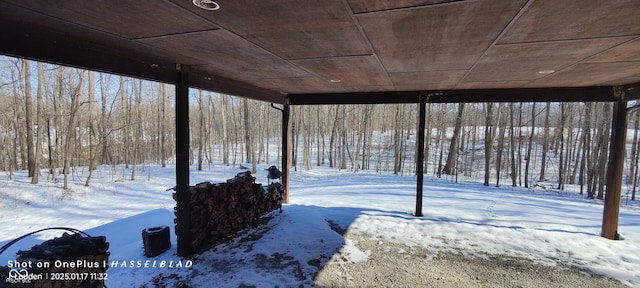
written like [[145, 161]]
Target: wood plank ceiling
[[308, 48]]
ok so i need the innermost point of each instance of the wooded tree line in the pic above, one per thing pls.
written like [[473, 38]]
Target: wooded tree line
[[57, 120]]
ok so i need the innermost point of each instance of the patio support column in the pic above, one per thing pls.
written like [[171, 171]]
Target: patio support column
[[420, 153], [614, 171], [183, 210], [286, 147]]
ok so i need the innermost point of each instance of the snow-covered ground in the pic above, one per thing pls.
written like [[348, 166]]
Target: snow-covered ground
[[544, 225]]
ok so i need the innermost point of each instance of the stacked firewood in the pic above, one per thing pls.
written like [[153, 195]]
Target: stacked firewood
[[221, 210], [68, 261]]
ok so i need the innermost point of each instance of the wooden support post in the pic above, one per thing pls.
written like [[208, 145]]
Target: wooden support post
[[183, 211], [614, 171], [286, 146], [422, 106]]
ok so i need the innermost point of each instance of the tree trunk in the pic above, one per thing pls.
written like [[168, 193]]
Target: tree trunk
[[332, 139], [307, 141], [163, 127], [343, 134], [201, 133], [530, 146], [586, 146], [502, 123], [634, 149], [512, 145], [545, 142], [560, 139], [25, 78], [319, 138], [576, 146], [104, 117], [248, 135], [295, 132], [442, 132], [92, 129], [488, 142], [604, 148], [39, 124], [450, 166], [138, 131], [635, 158], [398, 140], [474, 139], [76, 99], [598, 161], [427, 137]]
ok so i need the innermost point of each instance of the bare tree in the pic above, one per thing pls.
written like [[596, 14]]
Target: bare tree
[[530, 145], [597, 161], [306, 145], [39, 118], [545, 142], [201, 130], [488, 142], [502, 125], [92, 128], [224, 115], [442, 132], [332, 138], [561, 128], [25, 79], [104, 123], [398, 140], [603, 145], [575, 144], [76, 100], [635, 156], [586, 146], [512, 145], [137, 88], [452, 156], [634, 149]]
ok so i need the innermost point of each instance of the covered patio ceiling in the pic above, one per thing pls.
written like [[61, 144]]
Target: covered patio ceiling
[[301, 52], [345, 51]]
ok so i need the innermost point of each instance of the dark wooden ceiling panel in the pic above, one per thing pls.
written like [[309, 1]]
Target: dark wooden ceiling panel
[[440, 37], [629, 51], [529, 61], [262, 49], [291, 29], [360, 6], [426, 80], [231, 55], [592, 74], [125, 18], [347, 71], [547, 20], [40, 37]]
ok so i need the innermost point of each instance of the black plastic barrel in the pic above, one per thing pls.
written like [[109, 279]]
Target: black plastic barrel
[[155, 240]]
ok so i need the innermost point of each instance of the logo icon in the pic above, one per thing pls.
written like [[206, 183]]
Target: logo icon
[[22, 276]]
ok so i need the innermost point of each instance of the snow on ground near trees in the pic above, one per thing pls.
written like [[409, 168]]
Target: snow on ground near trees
[[544, 225]]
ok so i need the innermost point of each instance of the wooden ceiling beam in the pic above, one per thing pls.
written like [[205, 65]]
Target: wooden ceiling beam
[[355, 98], [568, 94], [210, 82], [631, 92], [562, 94]]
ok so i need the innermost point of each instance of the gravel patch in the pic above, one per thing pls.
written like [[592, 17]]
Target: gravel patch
[[397, 265]]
